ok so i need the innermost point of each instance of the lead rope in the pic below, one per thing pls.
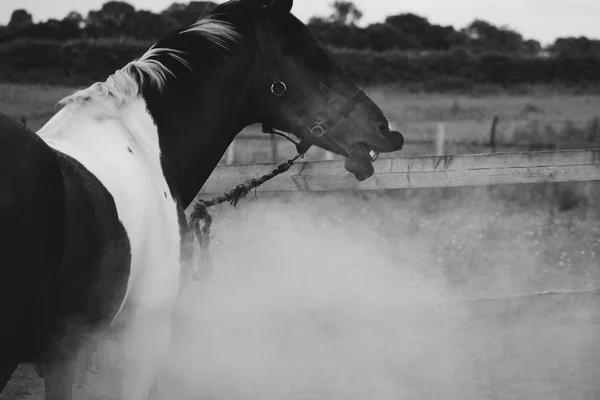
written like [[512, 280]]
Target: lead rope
[[200, 214], [200, 211]]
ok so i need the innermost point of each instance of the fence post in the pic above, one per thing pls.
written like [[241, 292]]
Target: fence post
[[440, 142], [440, 150], [493, 134], [24, 121]]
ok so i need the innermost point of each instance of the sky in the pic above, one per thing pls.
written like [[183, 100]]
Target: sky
[[542, 20]]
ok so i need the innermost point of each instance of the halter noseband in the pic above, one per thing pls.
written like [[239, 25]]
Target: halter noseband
[[278, 88]]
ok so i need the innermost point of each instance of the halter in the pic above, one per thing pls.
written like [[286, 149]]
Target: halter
[[278, 88]]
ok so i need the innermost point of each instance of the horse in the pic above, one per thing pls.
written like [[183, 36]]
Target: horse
[[92, 206]]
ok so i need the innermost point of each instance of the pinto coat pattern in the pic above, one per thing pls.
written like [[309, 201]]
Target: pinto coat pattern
[[105, 231], [92, 205]]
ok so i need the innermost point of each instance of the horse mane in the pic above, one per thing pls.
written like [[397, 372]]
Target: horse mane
[[126, 83]]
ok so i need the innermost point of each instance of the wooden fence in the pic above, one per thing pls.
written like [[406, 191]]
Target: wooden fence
[[419, 172]]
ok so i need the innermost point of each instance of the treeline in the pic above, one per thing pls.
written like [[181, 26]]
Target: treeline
[[403, 48], [113, 19], [340, 30], [82, 61]]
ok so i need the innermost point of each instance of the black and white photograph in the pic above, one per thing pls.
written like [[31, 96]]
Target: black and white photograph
[[300, 200]]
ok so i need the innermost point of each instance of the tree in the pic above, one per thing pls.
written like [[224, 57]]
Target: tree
[[570, 46], [345, 13], [383, 37], [429, 36], [147, 25], [186, 14], [481, 35], [53, 29], [337, 35], [20, 18], [74, 18], [111, 20], [532, 47], [117, 11]]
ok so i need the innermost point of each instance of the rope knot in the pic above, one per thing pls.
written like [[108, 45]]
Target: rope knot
[[200, 212]]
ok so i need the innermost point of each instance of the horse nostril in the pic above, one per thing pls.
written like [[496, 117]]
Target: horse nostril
[[384, 129]]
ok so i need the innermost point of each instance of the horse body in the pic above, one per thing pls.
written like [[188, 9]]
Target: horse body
[[65, 268], [94, 202]]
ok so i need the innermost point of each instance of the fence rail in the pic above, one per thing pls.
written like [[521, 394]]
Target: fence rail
[[419, 172]]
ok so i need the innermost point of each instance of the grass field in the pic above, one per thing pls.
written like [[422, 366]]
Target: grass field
[[258, 330]]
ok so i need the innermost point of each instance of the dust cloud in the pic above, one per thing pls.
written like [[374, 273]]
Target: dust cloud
[[313, 298]]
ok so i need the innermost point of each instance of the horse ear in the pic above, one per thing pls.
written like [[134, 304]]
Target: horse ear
[[283, 5]]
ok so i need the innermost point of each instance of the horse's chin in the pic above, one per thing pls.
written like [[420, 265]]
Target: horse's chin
[[359, 163]]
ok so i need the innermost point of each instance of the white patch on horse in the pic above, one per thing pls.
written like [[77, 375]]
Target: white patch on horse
[[98, 135]]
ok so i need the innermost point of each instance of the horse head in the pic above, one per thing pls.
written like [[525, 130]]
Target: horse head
[[299, 87]]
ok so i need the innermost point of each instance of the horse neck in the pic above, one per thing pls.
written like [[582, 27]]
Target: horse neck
[[194, 135]]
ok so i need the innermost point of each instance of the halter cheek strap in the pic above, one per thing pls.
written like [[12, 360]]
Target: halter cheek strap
[[315, 127]]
